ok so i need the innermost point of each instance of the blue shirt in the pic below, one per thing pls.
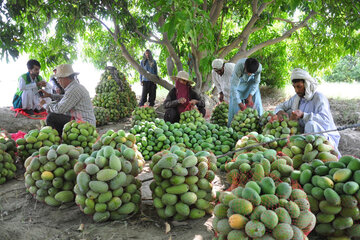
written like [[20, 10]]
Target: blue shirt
[[147, 67], [241, 85]]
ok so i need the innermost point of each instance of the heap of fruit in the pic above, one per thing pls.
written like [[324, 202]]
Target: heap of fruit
[[142, 114], [50, 176], [102, 115], [81, 134], [182, 186], [152, 137], [116, 140], [5, 138], [220, 114], [281, 129], [246, 121], [254, 138], [106, 187], [334, 195], [113, 92], [7, 162], [191, 116], [305, 149], [256, 166], [265, 118], [35, 139], [263, 210]]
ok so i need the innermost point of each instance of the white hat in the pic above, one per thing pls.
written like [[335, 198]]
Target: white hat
[[309, 82], [64, 70], [218, 63], [184, 76]]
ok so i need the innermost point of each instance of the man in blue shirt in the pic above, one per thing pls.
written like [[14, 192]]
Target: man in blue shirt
[[149, 87], [244, 87]]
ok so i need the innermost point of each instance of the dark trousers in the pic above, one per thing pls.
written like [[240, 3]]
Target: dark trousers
[[149, 88], [57, 121], [172, 114]]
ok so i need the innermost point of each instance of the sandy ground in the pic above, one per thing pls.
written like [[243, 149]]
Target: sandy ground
[[22, 217]]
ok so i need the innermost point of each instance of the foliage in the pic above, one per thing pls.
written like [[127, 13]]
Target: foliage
[[346, 70], [283, 34]]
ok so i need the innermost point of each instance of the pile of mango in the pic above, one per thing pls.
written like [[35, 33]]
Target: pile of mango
[[106, 187], [191, 116], [152, 137], [117, 140], [50, 176], [35, 139], [334, 195], [113, 92], [256, 166], [7, 162], [220, 114], [10, 144], [307, 148], [141, 114], [254, 138], [281, 129], [102, 116], [80, 134], [265, 118], [263, 210], [246, 121], [182, 186]]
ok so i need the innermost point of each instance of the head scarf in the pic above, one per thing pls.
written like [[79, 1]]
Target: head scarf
[[309, 82], [182, 91], [218, 63], [151, 59]]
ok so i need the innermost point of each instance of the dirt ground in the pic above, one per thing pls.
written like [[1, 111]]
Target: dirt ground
[[22, 217]]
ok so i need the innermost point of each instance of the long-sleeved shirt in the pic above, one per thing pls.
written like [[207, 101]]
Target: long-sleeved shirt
[[75, 102], [222, 83], [148, 68], [241, 85], [316, 113]]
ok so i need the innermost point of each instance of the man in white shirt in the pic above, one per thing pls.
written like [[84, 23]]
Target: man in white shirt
[[27, 96], [221, 75]]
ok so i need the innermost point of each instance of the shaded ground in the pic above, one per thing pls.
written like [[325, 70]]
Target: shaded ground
[[22, 217]]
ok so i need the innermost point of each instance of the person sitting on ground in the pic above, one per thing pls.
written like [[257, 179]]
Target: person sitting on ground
[[55, 86], [180, 97], [244, 87], [221, 75], [74, 104], [310, 107], [27, 94]]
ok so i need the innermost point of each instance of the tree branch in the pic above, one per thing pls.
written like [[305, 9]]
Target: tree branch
[[285, 20], [287, 34], [158, 41], [142, 71], [254, 6], [102, 23], [215, 11], [248, 28]]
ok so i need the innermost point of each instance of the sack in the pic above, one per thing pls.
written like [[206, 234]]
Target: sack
[[17, 103]]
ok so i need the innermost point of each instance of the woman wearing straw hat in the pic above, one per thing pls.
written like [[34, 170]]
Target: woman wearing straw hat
[[181, 98]]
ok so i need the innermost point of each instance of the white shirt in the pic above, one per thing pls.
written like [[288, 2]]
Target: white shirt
[[222, 83]]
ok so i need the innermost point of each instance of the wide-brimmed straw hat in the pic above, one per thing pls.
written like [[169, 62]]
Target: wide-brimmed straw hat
[[64, 70], [183, 76]]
